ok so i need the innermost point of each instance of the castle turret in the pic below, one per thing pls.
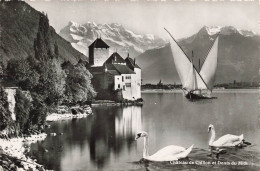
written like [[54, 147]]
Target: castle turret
[[98, 52]]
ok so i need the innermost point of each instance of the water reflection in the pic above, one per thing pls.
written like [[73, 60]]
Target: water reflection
[[112, 130], [92, 142], [129, 123], [105, 140]]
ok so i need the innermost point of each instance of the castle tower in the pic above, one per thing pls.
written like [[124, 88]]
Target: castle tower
[[98, 52]]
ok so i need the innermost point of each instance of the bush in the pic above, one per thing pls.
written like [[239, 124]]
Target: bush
[[22, 73], [22, 110], [38, 111], [29, 115], [5, 114], [78, 84], [52, 82]]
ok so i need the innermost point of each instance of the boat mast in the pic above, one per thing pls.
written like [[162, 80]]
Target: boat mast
[[199, 64], [194, 73], [188, 58]]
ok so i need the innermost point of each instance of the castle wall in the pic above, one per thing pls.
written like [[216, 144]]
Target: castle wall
[[100, 56], [131, 85], [11, 92], [91, 56], [104, 84], [127, 92], [136, 82]]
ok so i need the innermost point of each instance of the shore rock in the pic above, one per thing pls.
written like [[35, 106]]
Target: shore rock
[[13, 156]]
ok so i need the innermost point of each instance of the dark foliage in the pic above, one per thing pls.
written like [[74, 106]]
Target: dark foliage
[[29, 115], [52, 82], [41, 72], [78, 84], [23, 73], [5, 114], [19, 27], [43, 41], [22, 110], [56, 49], [38, 112]]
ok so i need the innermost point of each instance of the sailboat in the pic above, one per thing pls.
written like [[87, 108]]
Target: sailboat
[[196, 84]]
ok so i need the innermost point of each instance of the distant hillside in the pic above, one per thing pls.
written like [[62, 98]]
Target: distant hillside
[[157, 64], [19, 25], [120, 39], [238, 56]]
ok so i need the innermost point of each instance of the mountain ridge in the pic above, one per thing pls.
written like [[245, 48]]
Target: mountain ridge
[[116, 35], [237, 56], [19, 25]]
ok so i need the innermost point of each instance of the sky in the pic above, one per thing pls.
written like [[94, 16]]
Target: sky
[[181, 18]]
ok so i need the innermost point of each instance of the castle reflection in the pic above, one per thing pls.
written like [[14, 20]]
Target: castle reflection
[[93, 142], [113, 129], [129, 123]]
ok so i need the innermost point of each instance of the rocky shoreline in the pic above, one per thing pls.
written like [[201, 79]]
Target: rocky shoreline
[[13, 151], [122, 103], [64, 112]]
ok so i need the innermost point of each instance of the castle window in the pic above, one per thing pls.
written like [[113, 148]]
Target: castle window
[[128, 84], [123, 87], [118, 86], [122, 78], [128, 77]]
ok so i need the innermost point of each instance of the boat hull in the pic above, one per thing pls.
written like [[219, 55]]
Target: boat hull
[[193, 96]]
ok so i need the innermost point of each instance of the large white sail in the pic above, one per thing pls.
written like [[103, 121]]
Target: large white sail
[[189, 82], [209, 67], [182, 63], [185, 68]]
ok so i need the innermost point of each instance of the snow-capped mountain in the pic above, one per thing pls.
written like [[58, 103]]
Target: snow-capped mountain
[[115, 35], [238, 55], [227, 30]]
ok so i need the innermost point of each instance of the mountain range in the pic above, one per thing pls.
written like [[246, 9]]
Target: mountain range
[[119, 38], [238, 56]]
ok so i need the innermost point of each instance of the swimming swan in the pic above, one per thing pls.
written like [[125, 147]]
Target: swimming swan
[[226, 140], [168, 153]]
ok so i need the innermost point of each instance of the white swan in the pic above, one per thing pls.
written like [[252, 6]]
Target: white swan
[[226, 140], [168, 153]]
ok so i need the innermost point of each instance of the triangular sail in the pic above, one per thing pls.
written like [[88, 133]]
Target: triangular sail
[[185, 68], [189, 81], [209, 67]]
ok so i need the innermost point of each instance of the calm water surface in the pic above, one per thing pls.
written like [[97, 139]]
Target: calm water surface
[[105, 140]]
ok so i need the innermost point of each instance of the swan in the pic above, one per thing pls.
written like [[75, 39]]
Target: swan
[[227, 140], [168, 153]]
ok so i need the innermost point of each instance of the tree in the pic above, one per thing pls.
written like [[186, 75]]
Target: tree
[[52, 77], [5, 114], [22, 110], [51, 82], [56, 50], [38, 111], [78, 84], [1, 68], [23, 73], [43, 41]]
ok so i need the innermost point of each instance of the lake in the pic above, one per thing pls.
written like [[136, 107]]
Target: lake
[[105, 140]]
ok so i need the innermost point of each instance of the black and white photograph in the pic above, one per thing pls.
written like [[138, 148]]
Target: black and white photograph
[[135, 85]]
